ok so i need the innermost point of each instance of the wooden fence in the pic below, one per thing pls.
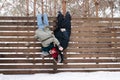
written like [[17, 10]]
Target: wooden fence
[[94, 46]]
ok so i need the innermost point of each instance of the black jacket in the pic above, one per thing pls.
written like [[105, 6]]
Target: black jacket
[[63, 31]]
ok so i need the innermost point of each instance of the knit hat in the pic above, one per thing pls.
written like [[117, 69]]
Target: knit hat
[[54, 52]]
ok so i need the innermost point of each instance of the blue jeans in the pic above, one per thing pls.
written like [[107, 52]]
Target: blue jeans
[[42, 20]]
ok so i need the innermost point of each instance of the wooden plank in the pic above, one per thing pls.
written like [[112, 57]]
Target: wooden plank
[[16, 18], [94, 19], [26, 61], [89, 29], [17, 34], [59, 66], [92, 60], [20, 45], [65, 61], [92, 55], [17, 39], [52, 71], [20, 50], [21, 23], [94, 34], [71, 45], [26, 66], [26, 71], [93, 40], [93, 45], [101, 50], [22, 18], [10, 28], [17, 28], [90, 66], [24, 55], [99, 29], [94, 24], [17, 23], [53, 18], [77, 34], [67, 55], [71, 39], [88, 70], [52, 23]]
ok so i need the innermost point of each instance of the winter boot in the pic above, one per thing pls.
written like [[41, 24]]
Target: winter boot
[[60, 57]]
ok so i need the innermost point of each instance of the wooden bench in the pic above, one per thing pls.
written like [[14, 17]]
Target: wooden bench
[[94, 46]]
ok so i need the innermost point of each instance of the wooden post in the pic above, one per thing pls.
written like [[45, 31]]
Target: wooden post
[[27, 43], [34, 26], [114, 31], [27, 3], [64, 6], [86, 8], [50, 8], [46, 8], [42, 7], [55, 2], [96, 7], [88, 14], [34, 8], [34, 12]]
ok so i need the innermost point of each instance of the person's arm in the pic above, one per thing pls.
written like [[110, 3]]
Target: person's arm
[[57, 43]]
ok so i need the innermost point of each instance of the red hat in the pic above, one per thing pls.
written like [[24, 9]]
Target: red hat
[[54, 52]]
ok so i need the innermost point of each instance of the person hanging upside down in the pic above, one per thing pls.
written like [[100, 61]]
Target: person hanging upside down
[[45, 35]]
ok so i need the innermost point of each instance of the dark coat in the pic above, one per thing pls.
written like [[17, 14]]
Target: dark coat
[[63, 31]]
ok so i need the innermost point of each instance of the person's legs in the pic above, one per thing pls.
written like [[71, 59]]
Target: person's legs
[[67, 23], [60, 19], [45, 19], [39, 21]]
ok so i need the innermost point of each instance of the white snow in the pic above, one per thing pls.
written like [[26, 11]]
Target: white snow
[[65, 76]]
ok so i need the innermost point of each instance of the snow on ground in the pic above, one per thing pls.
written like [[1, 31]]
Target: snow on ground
[[65, 76]]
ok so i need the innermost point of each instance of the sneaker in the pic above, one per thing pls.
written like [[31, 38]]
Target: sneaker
[[44, 54], [60, 58]]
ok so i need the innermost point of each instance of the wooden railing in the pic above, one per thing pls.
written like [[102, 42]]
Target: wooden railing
[[94, 46]]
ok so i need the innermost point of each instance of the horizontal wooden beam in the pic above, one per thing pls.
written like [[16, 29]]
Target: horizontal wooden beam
[[85, 55], [21, 23], [52, 71], [54, 18], [94, 50], [94, 19], [73, 34], [26, 71], [17, 28], [9, 61], [78, 40], [22, 18], [94, 34], [71, 45], [59, 66]]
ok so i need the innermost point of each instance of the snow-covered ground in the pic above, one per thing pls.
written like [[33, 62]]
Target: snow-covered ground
[[65, 76]]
